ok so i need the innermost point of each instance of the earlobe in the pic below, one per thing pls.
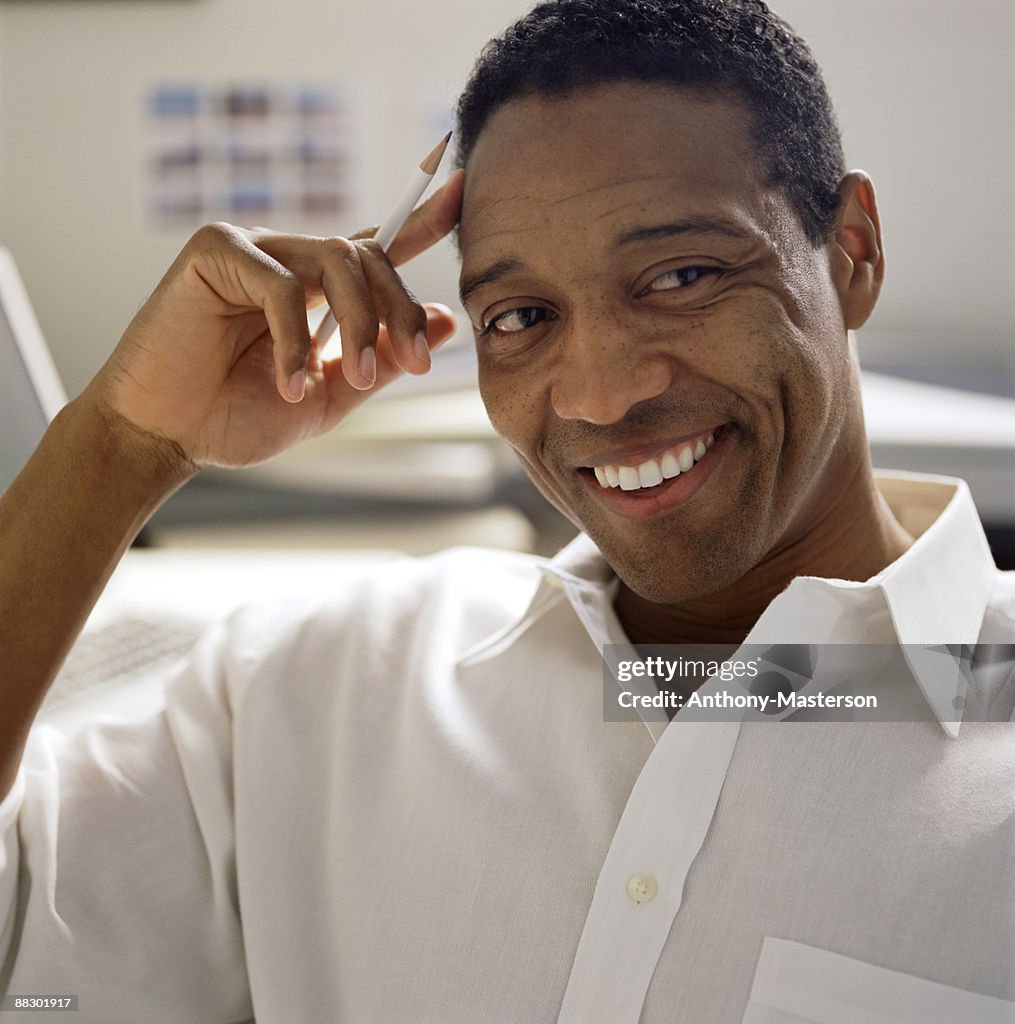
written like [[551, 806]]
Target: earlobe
[[860, 266]]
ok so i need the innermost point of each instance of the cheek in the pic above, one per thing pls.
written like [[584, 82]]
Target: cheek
[[518, 403], [822, 382], [513, 406], [517, 409], [745, 346], [785, 348], [802, 380]]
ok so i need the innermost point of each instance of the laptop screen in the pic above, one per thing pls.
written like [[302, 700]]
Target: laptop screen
[[22, 418], [30, 390]]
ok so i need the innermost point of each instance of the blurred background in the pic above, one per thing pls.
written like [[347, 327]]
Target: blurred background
[[124, 124]]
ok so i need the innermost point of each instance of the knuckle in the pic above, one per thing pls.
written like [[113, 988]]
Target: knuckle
[[413, 314], [337, 248], [410, 296], [412, 306], [371, 247], [365, 233], [290, 282], [214, 233]]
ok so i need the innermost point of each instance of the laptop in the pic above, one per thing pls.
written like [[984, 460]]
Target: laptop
[[152, 610], [31, 393]]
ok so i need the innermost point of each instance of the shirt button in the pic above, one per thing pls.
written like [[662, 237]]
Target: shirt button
[[641, 888]]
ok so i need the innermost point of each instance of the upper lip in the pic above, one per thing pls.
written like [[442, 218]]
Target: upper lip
[[633, 455]]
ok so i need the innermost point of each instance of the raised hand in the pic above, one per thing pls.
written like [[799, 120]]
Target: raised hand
[[218, 367]]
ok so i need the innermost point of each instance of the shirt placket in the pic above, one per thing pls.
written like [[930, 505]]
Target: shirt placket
[[665, 821], [641, 885]]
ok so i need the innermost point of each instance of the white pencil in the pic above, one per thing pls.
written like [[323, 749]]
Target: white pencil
[[395, 219]]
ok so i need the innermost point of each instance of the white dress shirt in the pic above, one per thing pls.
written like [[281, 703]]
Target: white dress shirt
[[403, 804]]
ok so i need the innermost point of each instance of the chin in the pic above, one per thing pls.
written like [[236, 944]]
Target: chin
[[665, 574]]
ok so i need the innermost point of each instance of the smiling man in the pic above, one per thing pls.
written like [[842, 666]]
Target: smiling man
[[667, 350], [406, 802]]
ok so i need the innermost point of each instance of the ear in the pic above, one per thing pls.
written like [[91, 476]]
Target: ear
[[856, 250]]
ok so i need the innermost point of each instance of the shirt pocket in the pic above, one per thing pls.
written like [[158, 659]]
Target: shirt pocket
[[798, 984]]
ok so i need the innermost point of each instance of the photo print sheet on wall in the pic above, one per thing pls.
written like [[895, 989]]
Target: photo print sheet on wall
[[292, 156]]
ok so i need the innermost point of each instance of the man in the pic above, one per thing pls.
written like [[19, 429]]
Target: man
[[405, 803]]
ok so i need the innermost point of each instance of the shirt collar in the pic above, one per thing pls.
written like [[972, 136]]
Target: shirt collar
[[936, 593]]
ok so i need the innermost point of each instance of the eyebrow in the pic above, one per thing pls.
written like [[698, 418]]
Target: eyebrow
[[688, 226], [498, 270], [651, 232]]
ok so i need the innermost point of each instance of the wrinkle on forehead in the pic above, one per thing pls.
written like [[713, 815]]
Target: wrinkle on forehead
[[585, 192], [610, 160], [478, 206], [761, 221]]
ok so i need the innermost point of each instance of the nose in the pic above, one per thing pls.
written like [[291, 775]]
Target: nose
[[603, 369]]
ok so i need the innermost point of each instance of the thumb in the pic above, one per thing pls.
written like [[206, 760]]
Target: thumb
[[440, 323], [429, 222]]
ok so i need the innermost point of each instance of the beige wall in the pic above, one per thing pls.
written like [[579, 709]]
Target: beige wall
[[72, 78], [925, 88], [925, 91]]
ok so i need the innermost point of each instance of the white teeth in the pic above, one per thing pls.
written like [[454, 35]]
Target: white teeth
[[629, 480], [649, 473], [653, 472]]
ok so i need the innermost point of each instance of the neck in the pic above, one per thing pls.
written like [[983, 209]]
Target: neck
[[853, 539]]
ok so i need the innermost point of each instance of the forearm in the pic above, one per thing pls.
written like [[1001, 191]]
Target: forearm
[[207, 362], [64, 524]]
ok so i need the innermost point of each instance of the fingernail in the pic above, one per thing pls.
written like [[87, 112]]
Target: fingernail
[[368, 364], [421, 348], [297, 385]]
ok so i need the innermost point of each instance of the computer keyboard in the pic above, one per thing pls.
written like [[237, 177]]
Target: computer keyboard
[[127, 646], [160, 601]]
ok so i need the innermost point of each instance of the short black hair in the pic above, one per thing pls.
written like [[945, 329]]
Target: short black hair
[[735, 48]]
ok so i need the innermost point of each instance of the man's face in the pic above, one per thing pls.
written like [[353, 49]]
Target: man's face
[[645, 304]]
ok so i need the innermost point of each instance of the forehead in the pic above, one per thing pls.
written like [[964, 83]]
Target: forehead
[[623, 153]]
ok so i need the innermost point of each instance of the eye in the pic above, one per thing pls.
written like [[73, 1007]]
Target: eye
[[680, 277], [514, 321]]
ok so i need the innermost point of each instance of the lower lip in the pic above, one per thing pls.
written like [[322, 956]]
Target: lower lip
[[651, 501]]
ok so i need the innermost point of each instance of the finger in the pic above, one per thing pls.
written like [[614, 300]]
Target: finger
[[400, 310], [343, 398], [352, 301], [440, 324], [227, 259], [286, 313], [429, 222], [336, 268]]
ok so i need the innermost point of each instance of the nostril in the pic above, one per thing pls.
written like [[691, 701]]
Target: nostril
[[603, 394]]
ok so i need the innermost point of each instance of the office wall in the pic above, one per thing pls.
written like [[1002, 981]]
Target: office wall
[[73, 76], [925, 89]]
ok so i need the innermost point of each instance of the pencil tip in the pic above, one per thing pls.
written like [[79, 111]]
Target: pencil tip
[[431, 162]]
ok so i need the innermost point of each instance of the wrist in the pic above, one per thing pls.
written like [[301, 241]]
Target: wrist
[[135, 470]]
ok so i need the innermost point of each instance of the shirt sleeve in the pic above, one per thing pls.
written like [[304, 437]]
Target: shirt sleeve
[[118, 863]]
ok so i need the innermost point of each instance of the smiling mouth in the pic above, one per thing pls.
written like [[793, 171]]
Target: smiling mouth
[[664, 465]]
